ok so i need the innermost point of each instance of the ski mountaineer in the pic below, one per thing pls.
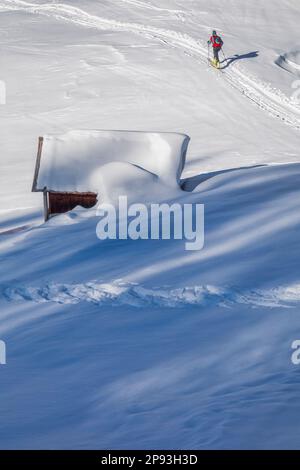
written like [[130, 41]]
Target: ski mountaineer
[[217, 44]]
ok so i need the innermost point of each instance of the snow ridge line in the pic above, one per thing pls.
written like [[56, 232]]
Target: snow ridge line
[[119, 293], [276, 104]]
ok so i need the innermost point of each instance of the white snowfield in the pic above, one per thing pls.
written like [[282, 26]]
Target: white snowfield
[[140, 344]]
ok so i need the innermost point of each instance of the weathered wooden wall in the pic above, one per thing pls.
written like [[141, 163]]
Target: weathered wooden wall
[[60, 203]]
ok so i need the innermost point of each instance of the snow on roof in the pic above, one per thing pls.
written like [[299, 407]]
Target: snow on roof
[[69, 162]]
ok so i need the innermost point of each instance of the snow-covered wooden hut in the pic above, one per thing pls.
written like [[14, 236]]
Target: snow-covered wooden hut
[[66, 164]]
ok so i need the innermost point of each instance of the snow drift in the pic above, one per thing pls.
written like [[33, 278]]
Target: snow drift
[[85, 160], [290, 62]]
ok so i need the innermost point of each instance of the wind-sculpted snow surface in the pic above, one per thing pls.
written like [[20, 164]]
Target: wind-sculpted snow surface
[[290, 61]]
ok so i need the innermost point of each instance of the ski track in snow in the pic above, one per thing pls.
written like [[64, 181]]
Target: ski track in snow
[[140, 4], [119, 293], [262, 94]]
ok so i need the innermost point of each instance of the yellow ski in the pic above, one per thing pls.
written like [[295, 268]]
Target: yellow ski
[[215, 64]]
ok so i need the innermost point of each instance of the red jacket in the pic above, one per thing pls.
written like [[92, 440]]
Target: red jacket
[[215, 44]]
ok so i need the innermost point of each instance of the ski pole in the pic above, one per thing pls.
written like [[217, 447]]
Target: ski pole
[[223, 54]]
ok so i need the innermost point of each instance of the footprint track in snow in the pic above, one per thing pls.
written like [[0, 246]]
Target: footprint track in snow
[[120, 293]]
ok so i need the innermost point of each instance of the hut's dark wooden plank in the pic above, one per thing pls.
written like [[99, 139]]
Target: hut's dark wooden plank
[[46, 205], [60, 202]]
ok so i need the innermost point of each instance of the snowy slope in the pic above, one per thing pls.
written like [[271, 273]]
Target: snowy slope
[[89, 63], [122, 344]]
